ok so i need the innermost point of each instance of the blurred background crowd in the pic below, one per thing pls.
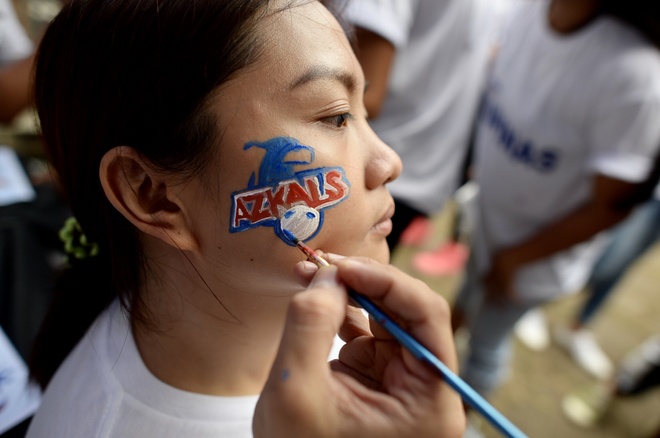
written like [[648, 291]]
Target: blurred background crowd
[[529, 132]]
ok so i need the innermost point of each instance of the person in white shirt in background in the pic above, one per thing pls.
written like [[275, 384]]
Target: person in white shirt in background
[[425, 63], [567, 137]]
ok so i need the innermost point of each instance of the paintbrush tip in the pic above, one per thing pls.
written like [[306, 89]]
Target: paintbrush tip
[[289, 235]]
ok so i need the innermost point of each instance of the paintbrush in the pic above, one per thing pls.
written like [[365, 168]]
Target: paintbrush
[[469, 395]]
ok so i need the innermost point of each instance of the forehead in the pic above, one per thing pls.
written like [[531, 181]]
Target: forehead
[[305, 63], [306, 39]]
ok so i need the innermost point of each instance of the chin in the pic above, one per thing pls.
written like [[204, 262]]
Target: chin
[[384, 257], [379, 251], [373, 247]]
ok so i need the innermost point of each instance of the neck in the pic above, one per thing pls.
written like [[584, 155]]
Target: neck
[[209, 337], [567, 16]]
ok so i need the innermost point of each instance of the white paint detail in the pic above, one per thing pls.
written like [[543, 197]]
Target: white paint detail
[[301, 221]]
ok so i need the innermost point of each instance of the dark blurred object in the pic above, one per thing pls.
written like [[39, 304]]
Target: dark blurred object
[[644, 15], [29, 247], [18, 431]]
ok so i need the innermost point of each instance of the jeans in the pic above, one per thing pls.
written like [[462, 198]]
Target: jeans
[[491, 327], [629, 241]]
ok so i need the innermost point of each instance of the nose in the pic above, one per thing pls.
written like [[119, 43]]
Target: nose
[[383, 165]]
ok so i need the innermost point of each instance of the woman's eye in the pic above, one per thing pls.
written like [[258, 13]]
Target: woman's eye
[[339, 120]]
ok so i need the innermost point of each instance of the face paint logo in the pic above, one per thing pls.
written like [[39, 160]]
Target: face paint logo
[[283, 198]]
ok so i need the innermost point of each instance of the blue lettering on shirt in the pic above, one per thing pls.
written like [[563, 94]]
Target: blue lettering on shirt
[[523, 151]]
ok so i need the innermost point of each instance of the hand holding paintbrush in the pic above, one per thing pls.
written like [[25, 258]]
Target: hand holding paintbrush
[[376, 389], [419, 351]]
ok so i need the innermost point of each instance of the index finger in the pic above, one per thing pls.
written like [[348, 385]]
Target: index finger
[[425, 312]]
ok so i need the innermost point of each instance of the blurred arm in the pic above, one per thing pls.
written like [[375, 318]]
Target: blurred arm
[[15, 89], [609, 204], [375, 54]]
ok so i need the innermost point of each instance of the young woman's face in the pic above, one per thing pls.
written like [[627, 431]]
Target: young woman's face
[[296, 153]]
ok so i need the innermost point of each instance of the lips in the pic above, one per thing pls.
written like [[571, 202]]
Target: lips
[[384, 224]]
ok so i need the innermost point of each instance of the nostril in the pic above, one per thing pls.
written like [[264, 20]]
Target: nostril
[[397, 167], [382, 170], [384, 165]]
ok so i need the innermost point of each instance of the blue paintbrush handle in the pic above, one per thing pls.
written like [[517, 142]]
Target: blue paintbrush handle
[[469, 395]]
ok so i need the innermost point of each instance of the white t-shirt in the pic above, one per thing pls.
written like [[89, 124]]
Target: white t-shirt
[[434, 87], [104, 389], [559, 110], [14, 42]]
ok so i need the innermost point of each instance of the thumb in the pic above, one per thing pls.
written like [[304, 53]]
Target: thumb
[[313, 320]]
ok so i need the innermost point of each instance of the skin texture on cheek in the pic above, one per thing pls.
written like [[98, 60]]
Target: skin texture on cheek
[[282, 197]]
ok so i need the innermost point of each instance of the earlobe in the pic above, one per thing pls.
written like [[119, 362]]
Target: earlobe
[[145, 197]]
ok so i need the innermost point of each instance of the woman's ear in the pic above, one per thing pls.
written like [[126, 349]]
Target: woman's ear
[[145, 197]]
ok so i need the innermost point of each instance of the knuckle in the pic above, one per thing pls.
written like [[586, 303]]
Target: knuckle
[[442, 307], [307, 307]]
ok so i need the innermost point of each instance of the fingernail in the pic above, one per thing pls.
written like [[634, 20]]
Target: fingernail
[[309, 266], [326, 276], [353, 261], [334, 257]]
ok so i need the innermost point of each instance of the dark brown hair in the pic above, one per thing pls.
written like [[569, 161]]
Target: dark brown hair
[[643, 15], [136, 73]]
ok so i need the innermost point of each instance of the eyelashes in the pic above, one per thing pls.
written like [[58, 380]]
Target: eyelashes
[[339, 120]]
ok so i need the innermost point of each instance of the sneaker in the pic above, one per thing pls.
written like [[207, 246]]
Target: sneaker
[[417, 232], [586, 406], [448, 259], [636, 368], [584, 350], [532, 330]]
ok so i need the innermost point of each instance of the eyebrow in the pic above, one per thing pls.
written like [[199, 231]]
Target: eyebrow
[[321, 72]]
